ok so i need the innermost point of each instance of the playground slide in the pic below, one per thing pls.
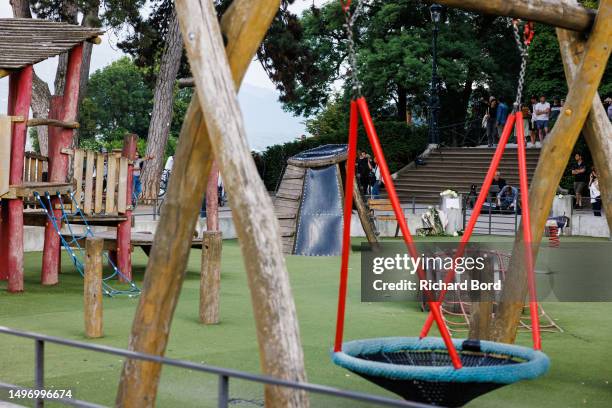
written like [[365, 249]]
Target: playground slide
[[319, 231]]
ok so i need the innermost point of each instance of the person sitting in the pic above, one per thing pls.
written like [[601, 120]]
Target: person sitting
[[506, 199], [498, 184]]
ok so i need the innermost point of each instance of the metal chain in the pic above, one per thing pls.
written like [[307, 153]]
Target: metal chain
[[356, 84], [524, 50]]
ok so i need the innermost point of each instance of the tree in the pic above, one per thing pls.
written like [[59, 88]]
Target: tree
[[307, 56], [118, 101], [161, 117]]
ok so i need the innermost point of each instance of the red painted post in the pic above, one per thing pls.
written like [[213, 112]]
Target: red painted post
[[56, 173], [21, 89], [63, 107], [124, 229], [212, 199], [4, 242]]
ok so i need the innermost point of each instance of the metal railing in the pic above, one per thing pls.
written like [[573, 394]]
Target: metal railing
[[224, 374], [496, 221]]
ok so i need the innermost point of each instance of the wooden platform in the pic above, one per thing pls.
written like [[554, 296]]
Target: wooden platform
[[28, 189], [138, 239], [38, 218]]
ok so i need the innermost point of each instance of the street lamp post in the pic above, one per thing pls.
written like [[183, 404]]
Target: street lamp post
[[434, 100]]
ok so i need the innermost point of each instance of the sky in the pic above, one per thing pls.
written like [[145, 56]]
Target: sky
[[265, 121]]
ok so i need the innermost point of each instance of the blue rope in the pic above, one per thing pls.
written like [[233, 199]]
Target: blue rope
[[73, 242]]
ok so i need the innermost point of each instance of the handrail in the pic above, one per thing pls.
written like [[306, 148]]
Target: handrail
[[224, 374]]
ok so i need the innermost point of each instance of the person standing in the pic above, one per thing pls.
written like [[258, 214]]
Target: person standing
[[363, 171], [555, 111], [542, 114], [527, 123], [491, 121], [136, 184], [579, 172], [377, 181], [595, 193], [532, 122], [502, 115]]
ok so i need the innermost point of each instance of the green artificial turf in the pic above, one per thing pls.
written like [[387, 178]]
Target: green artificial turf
[[580, 374]]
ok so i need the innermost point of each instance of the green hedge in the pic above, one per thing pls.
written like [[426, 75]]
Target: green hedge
[[401, 144]]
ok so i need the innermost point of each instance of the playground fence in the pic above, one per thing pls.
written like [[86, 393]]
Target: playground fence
[[224, 374]]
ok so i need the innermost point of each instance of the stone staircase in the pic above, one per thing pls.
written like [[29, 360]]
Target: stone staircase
[[457, 169]]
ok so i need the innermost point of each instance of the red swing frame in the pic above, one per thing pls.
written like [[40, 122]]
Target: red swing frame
[[359, 108]]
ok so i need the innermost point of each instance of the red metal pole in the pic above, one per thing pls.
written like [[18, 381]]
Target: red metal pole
[[482, 197], [346, 232], [399, 215], [64, 107], [526, 223], [124, 229], [21, 85]]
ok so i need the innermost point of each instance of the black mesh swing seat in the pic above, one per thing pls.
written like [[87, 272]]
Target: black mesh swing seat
[[421, 370]]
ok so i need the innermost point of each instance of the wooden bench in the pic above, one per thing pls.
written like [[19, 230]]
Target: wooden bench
[[384, 205]]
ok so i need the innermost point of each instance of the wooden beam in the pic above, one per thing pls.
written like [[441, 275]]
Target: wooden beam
[[597, 128], [554, 156], [168, 257], [570, 15], [185, 83], [53, 122], [5, 72], [5, 153], [258, 229], [95, 40]]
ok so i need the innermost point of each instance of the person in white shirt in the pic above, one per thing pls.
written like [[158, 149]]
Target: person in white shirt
[[595, 193], [542, 115]]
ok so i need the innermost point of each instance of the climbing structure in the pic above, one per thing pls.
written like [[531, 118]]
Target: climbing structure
[[65, 172], [308, 203]]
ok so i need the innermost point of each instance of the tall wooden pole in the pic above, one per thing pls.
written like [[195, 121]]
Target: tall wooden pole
[[245, 24], [597, 128], [258, 229], [20, 87], [63, 108], [210, 277], [124, 229], [556, 151], [92, 288], [570, 15], [212, 202]]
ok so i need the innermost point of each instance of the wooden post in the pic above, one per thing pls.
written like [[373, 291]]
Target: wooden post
[[482, 307], [564, 14], [63, 108], [554, 156], [597, 128], [210, 277], [92, 293], [5, 172], [212, 201], [20, 92], [124, 229], [245, 24], [58, 170], [257, 227]]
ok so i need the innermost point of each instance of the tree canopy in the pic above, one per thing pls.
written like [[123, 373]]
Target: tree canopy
[[119, 100], [307, 57]]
